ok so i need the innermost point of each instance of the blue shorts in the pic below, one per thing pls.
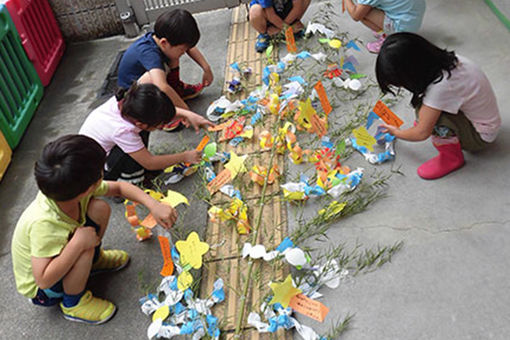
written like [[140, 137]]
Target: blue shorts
[[53, 295]]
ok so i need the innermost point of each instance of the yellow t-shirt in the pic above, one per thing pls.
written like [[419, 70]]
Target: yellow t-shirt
[[42, 231]]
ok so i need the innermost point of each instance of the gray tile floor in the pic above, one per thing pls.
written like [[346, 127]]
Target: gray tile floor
[[450, 281]]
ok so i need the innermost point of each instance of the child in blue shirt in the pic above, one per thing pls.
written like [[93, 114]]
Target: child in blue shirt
[[269, 16], [386, 16], [175, 33]]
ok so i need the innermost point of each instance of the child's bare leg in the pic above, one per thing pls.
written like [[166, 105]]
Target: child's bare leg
[[258, 19], [99, 211], [374, 20], [76, 279]]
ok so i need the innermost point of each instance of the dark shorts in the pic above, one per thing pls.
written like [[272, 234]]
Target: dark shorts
[[53, 295], [121, 165]]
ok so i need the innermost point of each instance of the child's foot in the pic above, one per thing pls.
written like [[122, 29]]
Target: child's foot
[[174, 126], [188, 91], [375, 46], [262, 42], [185, 91], [110, 261], [89, 309], [378, 34]]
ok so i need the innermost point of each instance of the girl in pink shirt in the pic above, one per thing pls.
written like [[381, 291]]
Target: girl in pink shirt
[[453, 99], [122, 125]]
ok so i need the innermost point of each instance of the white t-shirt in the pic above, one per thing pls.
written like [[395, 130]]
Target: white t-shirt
[[467, 90], [107, 127]]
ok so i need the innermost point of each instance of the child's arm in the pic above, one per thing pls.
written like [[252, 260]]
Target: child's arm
[[158, 162], [427, 118], [193, 119], [295, 13], [48, 270], [199, 58], [273, 18], [356, 11], [164, 214], [158, 77]]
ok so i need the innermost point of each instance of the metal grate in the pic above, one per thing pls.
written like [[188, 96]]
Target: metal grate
[[147, 11]]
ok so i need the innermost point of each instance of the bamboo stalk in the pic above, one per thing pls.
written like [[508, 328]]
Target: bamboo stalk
[[242, 308]]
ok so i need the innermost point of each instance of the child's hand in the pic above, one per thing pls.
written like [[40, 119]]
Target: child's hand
[[165, 215], [86, 237], [197, 121], [192, 156], [208, 77], [385, 128]]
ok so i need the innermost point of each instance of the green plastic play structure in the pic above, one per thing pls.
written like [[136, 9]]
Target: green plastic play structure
[[20, 87]]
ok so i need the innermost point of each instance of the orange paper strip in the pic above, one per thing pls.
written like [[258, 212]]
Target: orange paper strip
[[131, 215], [223, 178], [318, 126], [387, 115], [168, 265], [343, 6], [202, 143], [149, 222], [219, 127], [323, 97], [311, 308], [289, 38]]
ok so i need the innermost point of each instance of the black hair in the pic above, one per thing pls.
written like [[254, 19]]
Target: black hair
[[146, 103], [68, 166], [410, 61], [178, 27]]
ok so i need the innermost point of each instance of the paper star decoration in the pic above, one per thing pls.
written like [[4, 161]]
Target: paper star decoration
[[283, 292], [174, 198], [191, 250], [236, 164]]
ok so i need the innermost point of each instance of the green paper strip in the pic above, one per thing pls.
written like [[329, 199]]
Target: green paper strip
[[269, 50], [340, 147], [357, 76], [498, 13]]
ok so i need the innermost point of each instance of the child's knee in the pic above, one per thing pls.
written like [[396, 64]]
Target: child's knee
[[256, 12], [98, 207]]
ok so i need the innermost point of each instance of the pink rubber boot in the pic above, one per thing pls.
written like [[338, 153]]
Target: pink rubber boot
[[450, 158]]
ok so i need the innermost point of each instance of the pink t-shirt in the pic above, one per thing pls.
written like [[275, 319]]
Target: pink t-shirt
[[107, 127], [467, 90]]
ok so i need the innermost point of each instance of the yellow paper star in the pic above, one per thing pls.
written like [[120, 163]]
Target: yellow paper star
[[154, 194], [174, 198], [236, 164], [283, 292], [306, 111], [191, 250]]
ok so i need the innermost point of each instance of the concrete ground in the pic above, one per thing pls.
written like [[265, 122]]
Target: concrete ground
[[450, 280]]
